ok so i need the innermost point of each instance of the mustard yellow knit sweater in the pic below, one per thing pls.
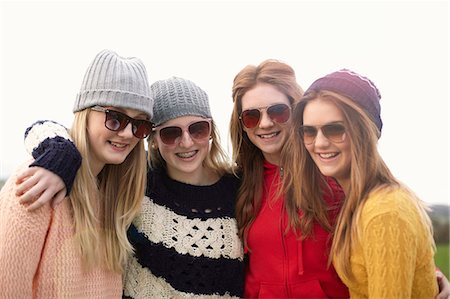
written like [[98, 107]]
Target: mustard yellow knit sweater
[[394, 258], [38, 258]]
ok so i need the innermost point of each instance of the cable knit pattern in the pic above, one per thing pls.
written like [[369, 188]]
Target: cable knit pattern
[[38, 258], [42, 130], [185, 237], [213, 238], [50, 144], [394, 258], [186, 242]]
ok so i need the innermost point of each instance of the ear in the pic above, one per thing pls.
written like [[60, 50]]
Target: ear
[[152, 142]]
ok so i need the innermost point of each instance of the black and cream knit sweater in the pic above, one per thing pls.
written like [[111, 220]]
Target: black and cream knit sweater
[[186, 241], [185, 237]]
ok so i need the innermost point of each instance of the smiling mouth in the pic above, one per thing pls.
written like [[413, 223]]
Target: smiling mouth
[[187, 154], [327, 155], [118, 145], [267, 136]]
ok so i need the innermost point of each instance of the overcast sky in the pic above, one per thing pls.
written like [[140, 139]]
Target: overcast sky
[[402, 46]]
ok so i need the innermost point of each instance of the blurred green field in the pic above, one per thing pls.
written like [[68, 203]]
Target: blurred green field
[[442, 258]]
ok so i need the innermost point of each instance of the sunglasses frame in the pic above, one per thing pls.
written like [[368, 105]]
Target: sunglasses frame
[[326, 135], [184, 129], [260, 109], [135, 123]]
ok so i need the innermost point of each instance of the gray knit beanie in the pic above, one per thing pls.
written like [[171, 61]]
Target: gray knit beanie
[[175, 97], [116, 81]]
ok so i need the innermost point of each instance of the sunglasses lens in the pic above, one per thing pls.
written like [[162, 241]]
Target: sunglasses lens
[[334, 132], [115, 121], [170, 134], [250, 118], [309, 133], [279, 113], [141, 128], [199, 130]]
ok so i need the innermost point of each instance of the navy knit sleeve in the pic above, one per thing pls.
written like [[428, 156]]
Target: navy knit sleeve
[[51, 146]]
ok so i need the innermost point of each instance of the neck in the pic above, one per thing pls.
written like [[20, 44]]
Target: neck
[[96, 167], [345, 184], [200, 177], [272, 158]]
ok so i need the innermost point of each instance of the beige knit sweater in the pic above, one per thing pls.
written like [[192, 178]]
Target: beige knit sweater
[[38, 258]]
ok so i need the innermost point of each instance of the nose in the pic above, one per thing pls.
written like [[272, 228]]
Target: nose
[[265, 121], [321, 140], [126, 132], [186, 140]]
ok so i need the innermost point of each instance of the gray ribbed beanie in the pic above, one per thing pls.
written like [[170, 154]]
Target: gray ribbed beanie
[[117, 81], [175, 97]]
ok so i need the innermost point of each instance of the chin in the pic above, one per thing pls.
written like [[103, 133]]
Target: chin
[[116, 161]]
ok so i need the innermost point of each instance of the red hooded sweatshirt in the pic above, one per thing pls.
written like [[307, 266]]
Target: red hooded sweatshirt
[[279, 264]]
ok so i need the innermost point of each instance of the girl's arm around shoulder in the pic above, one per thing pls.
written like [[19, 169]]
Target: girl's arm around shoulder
[[52, 147], [22, 236], [51, 176]]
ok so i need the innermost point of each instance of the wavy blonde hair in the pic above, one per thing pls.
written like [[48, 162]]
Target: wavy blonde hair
[[104, 206], [368, 172], [247, 158]]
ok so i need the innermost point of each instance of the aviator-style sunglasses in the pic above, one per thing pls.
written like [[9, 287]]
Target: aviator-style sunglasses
[[334, 132], [279, 113], [116, 121], [199, 131]]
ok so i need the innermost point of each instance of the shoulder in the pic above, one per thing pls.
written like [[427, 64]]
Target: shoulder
[[15, 214], [230, 179], [387, 199], [391, 204]]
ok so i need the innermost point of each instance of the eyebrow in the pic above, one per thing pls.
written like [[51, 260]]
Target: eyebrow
[[141, 114]]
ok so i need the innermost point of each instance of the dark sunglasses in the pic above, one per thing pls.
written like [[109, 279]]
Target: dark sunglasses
[[198, 131], [279, 113], [116, 121], [334, 132]]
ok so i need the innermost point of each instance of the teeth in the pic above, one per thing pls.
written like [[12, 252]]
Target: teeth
[[186, 155], [269, 135], [119, 145], [328, 155]]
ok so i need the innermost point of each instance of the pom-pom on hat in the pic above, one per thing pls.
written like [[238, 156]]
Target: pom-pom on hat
[[175, 97], [112, 80], [354, 86]]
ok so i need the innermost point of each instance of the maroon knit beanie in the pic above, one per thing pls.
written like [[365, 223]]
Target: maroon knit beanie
[[354, 86]]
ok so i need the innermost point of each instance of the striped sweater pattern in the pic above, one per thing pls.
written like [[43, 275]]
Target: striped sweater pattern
[[186, 242]]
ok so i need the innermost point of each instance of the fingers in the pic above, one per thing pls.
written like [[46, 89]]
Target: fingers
[[31, 192], [25, 174], [41, 200], [59, 197], [25, 183], [37, 186], [444, 286]]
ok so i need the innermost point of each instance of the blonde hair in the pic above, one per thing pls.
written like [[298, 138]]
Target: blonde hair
[[366, 175], [216, 159], [104, 206], [247, 158]]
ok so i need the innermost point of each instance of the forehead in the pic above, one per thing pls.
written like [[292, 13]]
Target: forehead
[[133, 113], [182, 121], [320, 111], [263, 95]]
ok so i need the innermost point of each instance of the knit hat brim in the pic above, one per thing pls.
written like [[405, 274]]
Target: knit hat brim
[[115, 98]]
